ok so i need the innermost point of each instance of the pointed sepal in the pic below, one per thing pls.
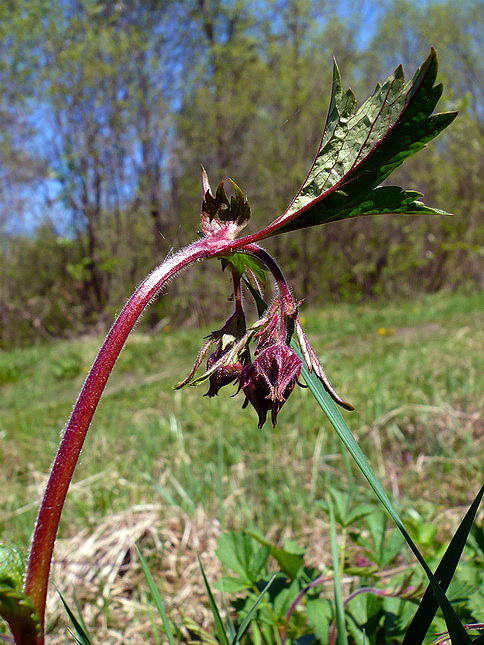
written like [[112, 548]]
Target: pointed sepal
[[221, 216]]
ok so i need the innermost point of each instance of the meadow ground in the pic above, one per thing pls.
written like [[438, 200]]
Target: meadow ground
[[173, 469]]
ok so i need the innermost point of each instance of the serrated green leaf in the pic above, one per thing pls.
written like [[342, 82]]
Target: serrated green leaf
[[361, 147], [290, 563], [11, 566], [285, 598], [320, 614], [231, 584], [239, 552]]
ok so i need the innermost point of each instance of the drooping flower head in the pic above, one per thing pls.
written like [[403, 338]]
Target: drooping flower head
[[226, 362], [270, 379]]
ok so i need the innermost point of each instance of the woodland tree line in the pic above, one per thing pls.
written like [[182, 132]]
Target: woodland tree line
[[108, 107]]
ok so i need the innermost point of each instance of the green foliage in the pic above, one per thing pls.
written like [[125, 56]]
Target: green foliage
[[455, 627], [8, 373], [444, 574], [11, 567], [244, 263], [411, 352], [361, 147], [347, 510], [380, 546], [16, 608], [376, 607], [290, 559], [337, 586], [239, 553]]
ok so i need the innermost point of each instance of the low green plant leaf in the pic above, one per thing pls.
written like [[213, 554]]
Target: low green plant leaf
[[290, 563], [230, 584], [244, 625], [361, 146], [427, 609], [160, 605], [320, 614], [284, 599], [454, 626], [345, 511], [239, 552], [219, 626]]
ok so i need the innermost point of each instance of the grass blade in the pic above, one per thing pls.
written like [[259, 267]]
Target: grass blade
[[248, 619], [219, 626], [160, 605], [455, 628], [79, 613], [338, 592], [81, 635], [427, 609]]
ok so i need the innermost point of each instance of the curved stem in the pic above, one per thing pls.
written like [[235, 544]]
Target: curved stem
[[38, 567], [274, 268]]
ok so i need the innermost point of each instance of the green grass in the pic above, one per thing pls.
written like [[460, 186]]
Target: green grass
[[411, 369]]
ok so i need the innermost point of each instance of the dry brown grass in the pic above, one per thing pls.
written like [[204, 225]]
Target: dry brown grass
[[101, 569]]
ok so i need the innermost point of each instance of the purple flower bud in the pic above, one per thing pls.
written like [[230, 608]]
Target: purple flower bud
[[222, 376], [270, 379]]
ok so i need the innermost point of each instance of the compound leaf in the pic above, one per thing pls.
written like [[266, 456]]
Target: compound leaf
[[361, 146]]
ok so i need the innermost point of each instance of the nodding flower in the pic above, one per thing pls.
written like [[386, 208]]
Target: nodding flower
[[270, 379], [226, 363], [223, 375]]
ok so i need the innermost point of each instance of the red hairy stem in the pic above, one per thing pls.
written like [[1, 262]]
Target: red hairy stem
[[38, 567]]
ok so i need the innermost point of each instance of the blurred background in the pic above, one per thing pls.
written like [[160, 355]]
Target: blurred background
[[108, 108]]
